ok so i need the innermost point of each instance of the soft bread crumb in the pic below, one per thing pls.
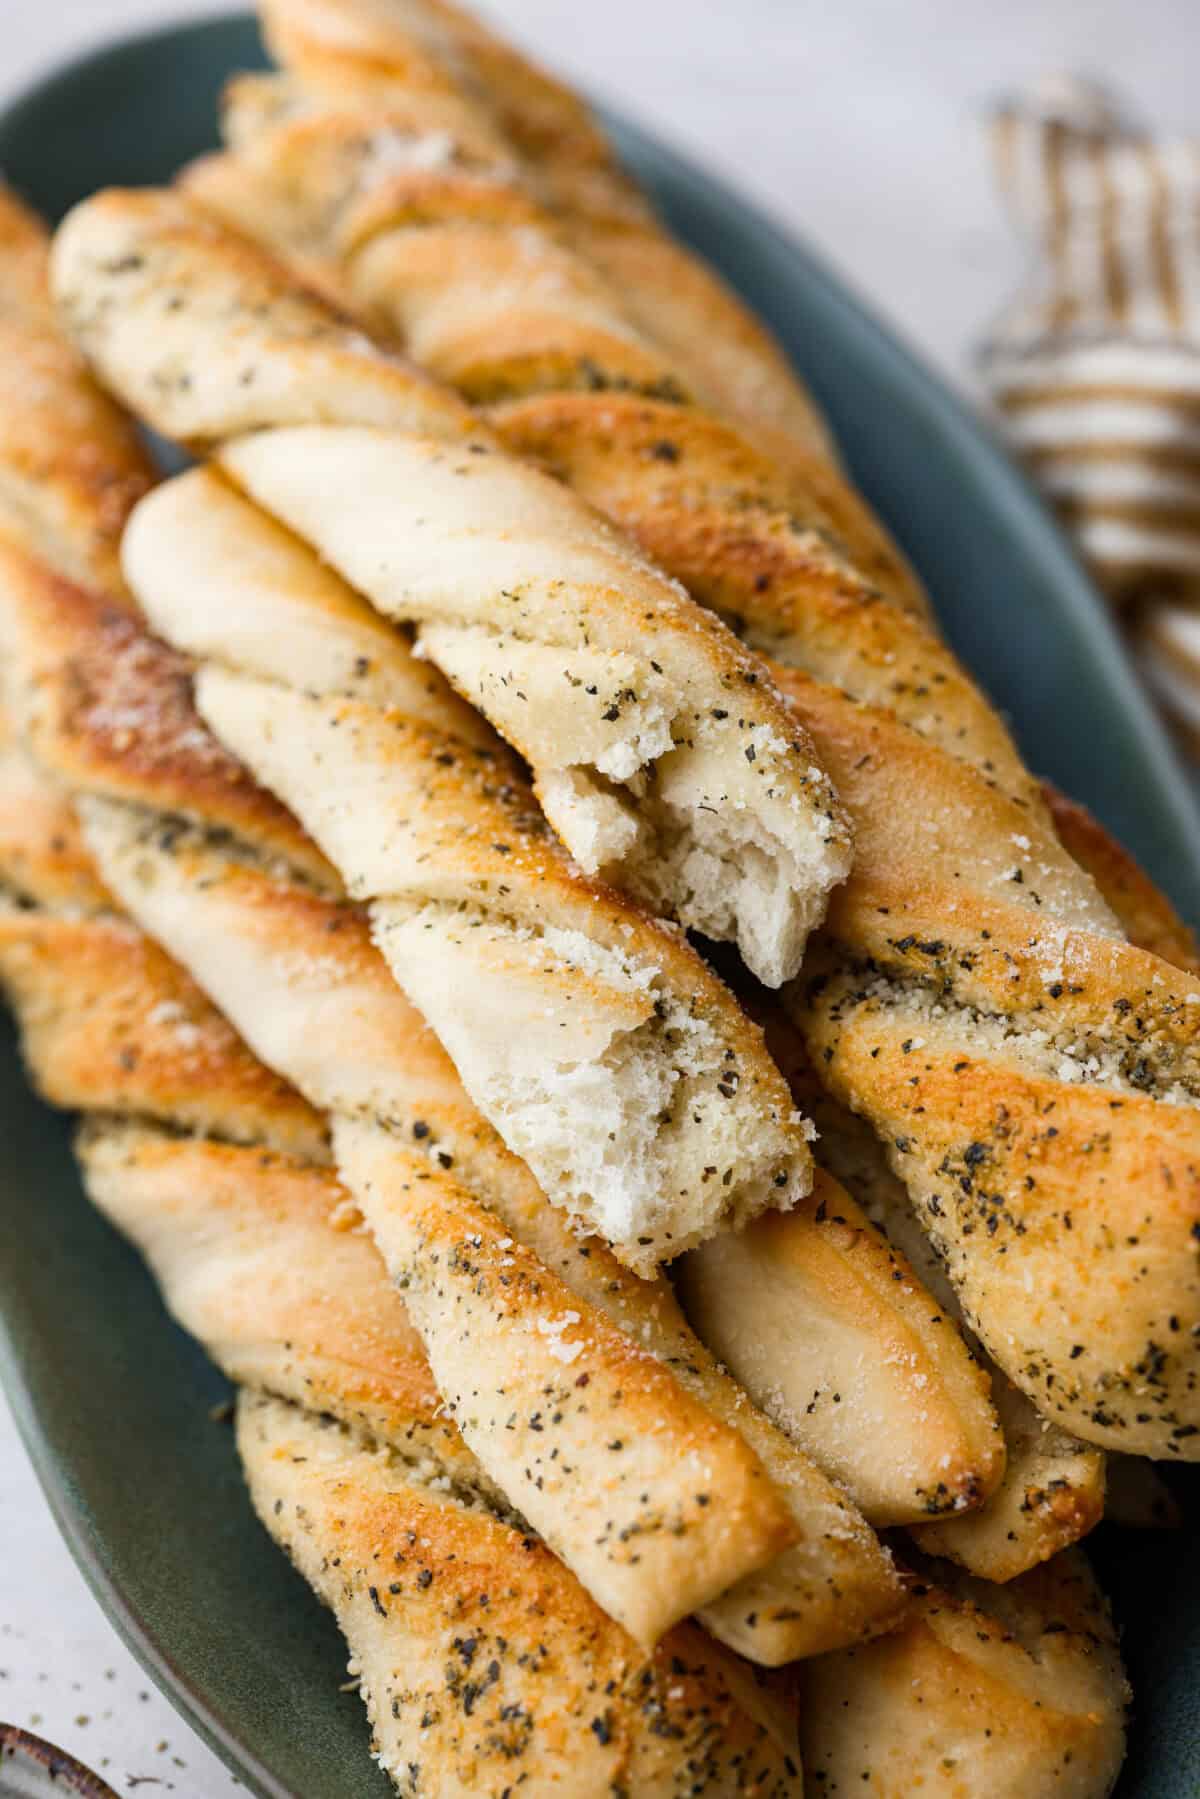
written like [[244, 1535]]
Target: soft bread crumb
[[633, 1113]]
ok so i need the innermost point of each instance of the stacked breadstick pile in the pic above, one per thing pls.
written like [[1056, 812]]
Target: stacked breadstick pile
[[408, 1091]]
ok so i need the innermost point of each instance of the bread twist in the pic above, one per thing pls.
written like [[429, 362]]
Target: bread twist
[[458, 82], [740, 1293], [480, 1661], [661, 752], [1055, 1487], [1032, 1074], [1052, 1489], [1006, 1691]]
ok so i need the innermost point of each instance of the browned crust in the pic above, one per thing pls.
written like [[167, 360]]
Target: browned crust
[[1053, 1493], [1089, 1294], [916, 1440], [1010, 1693], [108, 709], [262, 1256], [42, 856], [23, 251], [109, 1023], [71, 466], [453, 788], [1052, 1489], [1147, 916], [765, 548], [482, 1663], [284, 332], [533, 343], [651, 1522], [701, 324], [722, 351]]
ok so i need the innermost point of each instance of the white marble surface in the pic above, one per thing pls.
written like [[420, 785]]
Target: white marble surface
[[856, 122]]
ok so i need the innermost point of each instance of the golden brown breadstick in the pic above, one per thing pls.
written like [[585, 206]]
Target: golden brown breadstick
[[480, 1660], [913, 1435], [70, 463], [661, 752], [1007, 1691], [623, 1104]]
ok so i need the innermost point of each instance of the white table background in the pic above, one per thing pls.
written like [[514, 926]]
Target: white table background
[[856, 121]]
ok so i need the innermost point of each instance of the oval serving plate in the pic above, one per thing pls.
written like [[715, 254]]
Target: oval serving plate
[[114, 1403]]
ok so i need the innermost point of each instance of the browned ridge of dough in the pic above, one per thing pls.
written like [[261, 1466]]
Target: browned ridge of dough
[[71, 463]]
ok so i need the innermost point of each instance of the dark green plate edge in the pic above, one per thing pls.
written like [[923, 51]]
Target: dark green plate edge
[[1051, 658]]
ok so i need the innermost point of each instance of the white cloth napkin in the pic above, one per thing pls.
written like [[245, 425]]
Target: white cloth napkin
[[1095, 365]]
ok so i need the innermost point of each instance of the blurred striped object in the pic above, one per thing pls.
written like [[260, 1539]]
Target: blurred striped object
[[1095, 367]]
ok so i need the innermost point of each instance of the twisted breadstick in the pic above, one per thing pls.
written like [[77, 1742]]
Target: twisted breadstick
[[661, 752], [1032, 1074], [1053, 1489], [1054, 1486], [742, 1294], [456, 84], [479, 1659], [1009, 1691], [749, 1297]]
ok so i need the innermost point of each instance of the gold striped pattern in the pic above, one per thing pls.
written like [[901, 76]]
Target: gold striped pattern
[[1095, 365]]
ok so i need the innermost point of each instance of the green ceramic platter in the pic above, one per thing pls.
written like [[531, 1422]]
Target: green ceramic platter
[[114, 1403]]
